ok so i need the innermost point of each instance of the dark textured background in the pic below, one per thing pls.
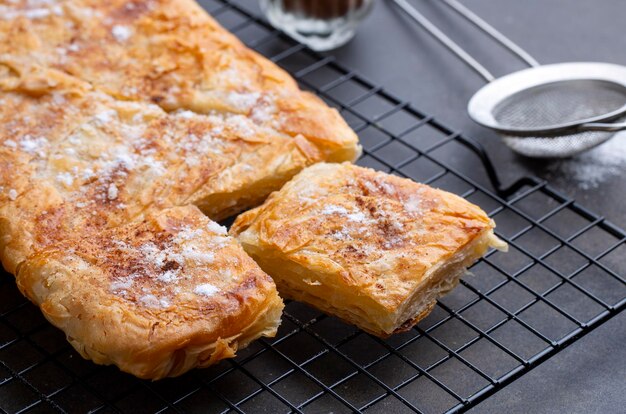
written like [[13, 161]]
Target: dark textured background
[[392, 51]]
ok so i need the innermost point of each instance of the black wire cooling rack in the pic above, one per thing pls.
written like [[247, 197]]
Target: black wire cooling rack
[[562, 278]]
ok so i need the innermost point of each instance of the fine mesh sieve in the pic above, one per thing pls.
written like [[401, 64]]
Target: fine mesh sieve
[[559, 102], [561, 146], [554, 103], [555, 110]]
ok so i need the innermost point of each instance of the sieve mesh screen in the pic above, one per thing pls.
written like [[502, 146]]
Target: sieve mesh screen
[[561, 146], [559, 103]]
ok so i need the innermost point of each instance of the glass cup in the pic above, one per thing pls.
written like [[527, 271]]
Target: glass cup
[[319, 24]]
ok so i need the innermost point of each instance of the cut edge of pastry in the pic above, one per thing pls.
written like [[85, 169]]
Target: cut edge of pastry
[[442, 278], [291, 281]]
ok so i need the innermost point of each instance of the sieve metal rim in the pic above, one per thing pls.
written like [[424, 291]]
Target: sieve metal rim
[[482, 105]]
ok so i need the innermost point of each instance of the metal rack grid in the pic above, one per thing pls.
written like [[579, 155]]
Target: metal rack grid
[[562, 278]]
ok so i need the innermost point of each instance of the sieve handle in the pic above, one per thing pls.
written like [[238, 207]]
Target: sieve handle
[[491, 31], [444, 39], [458, 50], [599, 126]]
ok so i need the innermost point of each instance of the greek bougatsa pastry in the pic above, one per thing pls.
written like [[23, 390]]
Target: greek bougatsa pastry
[[80, 159], [171, 53], [89, 227], [119, 122], [373, 249], [156, 297]]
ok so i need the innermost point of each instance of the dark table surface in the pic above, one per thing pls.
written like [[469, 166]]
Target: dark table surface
[[392, 51]]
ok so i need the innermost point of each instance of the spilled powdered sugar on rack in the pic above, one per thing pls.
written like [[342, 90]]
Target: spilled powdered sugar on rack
[[594, 168]]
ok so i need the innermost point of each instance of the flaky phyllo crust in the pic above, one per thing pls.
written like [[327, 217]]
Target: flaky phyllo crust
[[120, 124], [156, 297], [372, 248], [167, 52]]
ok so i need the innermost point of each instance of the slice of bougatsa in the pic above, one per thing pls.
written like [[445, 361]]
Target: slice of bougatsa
[[374, 249]]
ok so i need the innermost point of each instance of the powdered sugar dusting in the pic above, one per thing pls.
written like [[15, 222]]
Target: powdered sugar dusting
[[370, 186], [65, 178], [264, 111], [121, 33], [123, 285], [196, 148], [106, 116], [151, 301], [132, 150], [184, 114], [355, 216], [333, 209], [168, 276], [206, 289], [591, 169], [162, 265], [358, 217], [33, 14], [195, 254], [187, 234], [216, 228], [241, 125], [112, 192], [413, 204], [33, 145], [387, 188], [160, 257], [341, 235], [243, 101], [36, 13]]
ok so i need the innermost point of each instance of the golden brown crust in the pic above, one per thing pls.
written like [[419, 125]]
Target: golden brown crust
[[114, 113], [157, 297], [173, 54], [363, 244], [81, 162], [86, 160]]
